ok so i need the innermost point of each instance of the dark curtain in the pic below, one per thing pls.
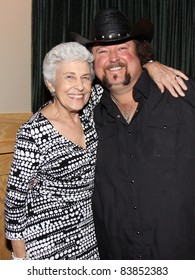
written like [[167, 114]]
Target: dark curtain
[[53, 20]]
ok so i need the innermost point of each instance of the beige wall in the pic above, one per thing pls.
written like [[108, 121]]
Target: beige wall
[[15, 89], [15, 56]]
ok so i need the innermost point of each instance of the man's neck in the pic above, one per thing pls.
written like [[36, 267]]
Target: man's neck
[[126, 104]]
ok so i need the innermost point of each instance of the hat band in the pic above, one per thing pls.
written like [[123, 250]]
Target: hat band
[[111, 36]]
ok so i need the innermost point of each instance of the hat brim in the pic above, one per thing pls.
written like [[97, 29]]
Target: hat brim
[[87, 43], [79, 39], [143, 30]]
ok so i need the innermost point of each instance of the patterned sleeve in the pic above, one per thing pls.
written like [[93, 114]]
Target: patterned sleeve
[[23, 170], [96, 94]]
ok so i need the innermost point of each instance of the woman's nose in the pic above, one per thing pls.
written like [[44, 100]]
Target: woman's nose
[[80, 85]]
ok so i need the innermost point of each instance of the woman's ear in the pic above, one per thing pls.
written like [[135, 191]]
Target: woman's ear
[[50, 86]]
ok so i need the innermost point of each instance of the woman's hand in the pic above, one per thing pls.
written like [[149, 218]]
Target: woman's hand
[[19, 249], [168, 77]]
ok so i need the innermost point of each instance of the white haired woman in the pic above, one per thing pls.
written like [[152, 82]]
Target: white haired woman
[[48, 204]]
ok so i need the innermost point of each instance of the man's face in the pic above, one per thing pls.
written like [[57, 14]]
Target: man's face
[[117, 65]]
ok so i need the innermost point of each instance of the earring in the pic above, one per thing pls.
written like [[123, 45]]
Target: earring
[[52, 91]]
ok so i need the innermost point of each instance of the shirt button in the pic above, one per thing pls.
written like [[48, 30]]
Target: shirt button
[[140, 257], [135, 207], [130, 133], [132, 181], [131, 156], [165, 126], [118, 116], [138, 233]]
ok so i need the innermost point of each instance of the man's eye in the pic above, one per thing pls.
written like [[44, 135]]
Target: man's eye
[[102, 51]]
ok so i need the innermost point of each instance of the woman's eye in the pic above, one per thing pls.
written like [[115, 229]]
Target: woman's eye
[[69, 77], [86, 78]]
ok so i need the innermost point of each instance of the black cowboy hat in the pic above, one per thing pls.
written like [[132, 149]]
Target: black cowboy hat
[[111, 26]]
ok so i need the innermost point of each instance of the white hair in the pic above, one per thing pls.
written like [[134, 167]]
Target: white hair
[[65, 52]]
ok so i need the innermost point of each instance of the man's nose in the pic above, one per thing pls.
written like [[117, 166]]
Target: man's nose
[[113, 56]]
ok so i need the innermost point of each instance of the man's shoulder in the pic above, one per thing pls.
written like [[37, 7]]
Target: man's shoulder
[[190, 83]]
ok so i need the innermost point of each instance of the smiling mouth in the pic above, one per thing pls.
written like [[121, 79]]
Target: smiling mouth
[[76, 96], [115, 68]]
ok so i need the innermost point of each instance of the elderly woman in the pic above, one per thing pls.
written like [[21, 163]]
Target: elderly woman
[[48, 205]]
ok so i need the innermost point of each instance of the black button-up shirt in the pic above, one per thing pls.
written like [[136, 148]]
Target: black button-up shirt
[[144, 197]]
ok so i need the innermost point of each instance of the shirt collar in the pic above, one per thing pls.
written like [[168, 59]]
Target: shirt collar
[[141, 88]]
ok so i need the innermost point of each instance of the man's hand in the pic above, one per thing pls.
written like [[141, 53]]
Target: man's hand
[[168, 77]]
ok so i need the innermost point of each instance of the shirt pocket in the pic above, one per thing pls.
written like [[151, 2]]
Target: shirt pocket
[[107, 141], [104, 134], [162, 136]]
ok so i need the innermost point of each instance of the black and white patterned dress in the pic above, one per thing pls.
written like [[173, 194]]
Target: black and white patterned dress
[[48, 200]]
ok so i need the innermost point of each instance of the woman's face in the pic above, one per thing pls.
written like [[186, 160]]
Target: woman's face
[[72, 85]]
